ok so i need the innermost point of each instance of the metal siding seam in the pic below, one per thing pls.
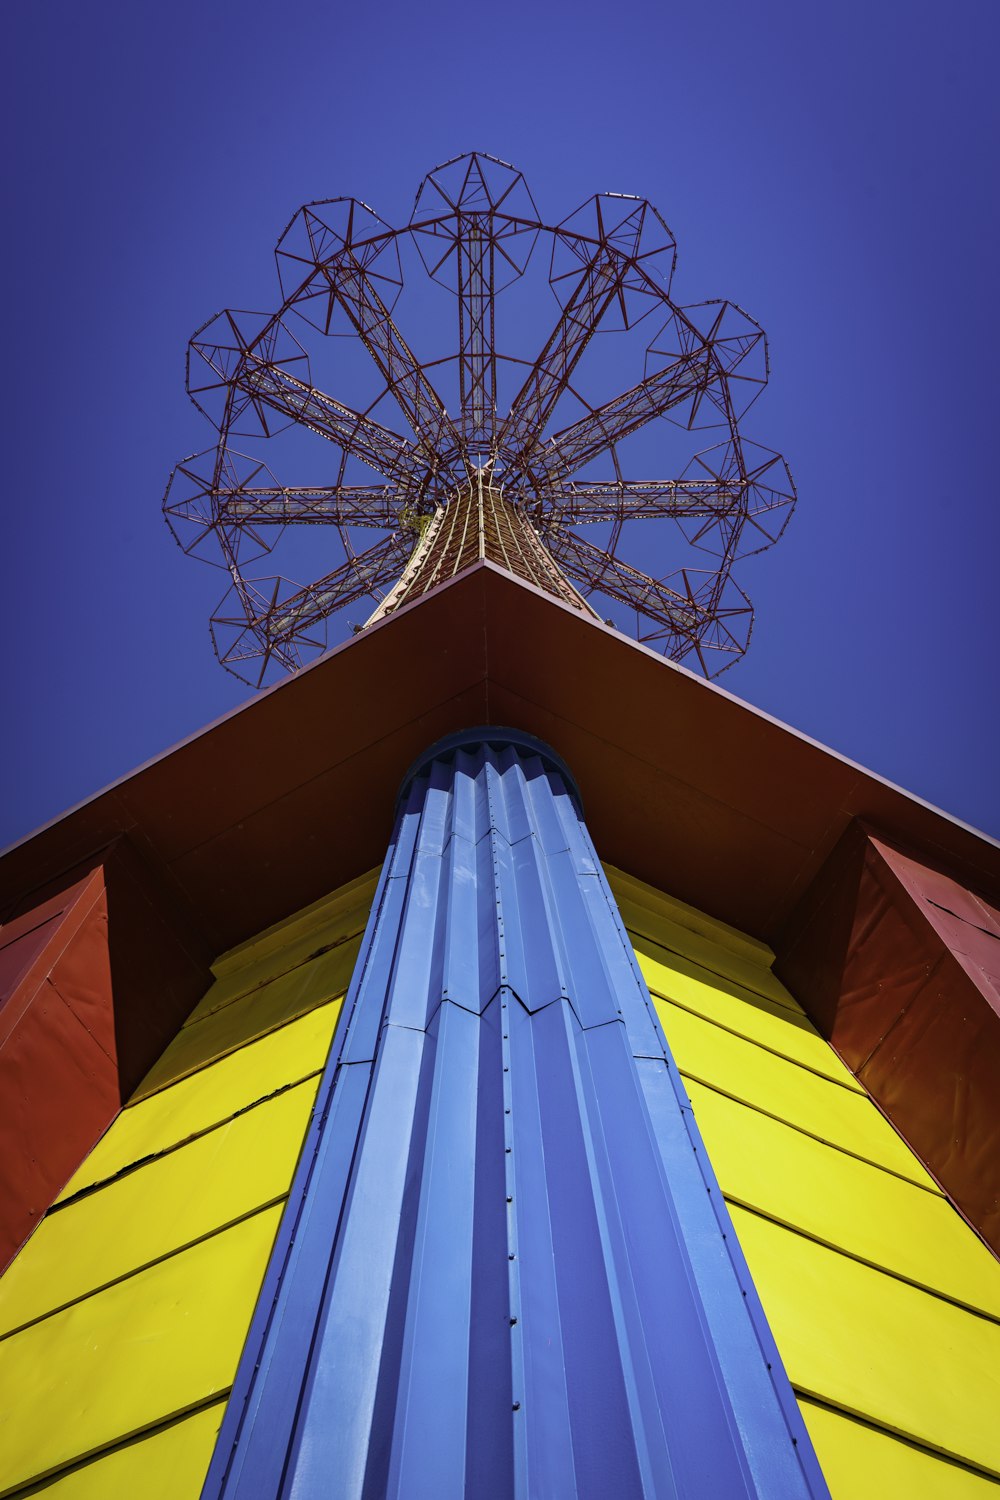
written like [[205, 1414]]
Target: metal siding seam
[[500, 1273]]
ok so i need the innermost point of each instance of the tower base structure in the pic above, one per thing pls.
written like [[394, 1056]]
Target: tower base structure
[[505, 1268], [272, 1240]]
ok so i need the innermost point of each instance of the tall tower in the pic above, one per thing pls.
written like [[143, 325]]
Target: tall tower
[[495, 1061]]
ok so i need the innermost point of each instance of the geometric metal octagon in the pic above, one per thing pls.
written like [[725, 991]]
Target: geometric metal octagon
[[525, 402]]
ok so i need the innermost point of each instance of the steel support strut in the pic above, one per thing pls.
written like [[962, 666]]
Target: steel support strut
[[501, 1272]]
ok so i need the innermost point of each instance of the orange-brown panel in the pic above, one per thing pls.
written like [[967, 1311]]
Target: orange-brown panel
[[58, 1093], [101, 975], [968, 925], [872, 957], [22, 943]]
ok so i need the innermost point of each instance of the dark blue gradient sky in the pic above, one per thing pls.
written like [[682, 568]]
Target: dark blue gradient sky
[[831, 168]]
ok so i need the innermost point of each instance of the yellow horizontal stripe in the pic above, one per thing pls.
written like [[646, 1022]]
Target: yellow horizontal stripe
[[866, 1342], [760, 1020], [327, 924], [708, 955], [689, 919], [201, 1100], [862, 1463], [157, 1344], [849, 1204], [169, 1463], [749, 1073], [240, 985], [289, 942], [171, 1201], [234, 1025]]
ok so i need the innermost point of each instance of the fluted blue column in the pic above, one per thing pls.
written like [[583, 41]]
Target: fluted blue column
[[505, 1268]]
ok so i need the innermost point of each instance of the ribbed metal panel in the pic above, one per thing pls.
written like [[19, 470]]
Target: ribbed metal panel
[[505, 1269]]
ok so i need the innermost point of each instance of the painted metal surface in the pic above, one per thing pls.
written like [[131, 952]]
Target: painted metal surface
[[884, 1302], [178, 1197], [168, 1464], [899, 965], [229, 1028], [96, 973], [123, 1318], [852, 1205], [747, 808], [158, 1122], [762, 1078], [863, 1463], [160, 1342], [505, 1268], [910, 1362], [58, 1071]]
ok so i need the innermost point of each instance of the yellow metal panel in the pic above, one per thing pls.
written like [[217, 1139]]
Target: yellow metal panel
[[336, 913], [862, 1340], [270, 954], [701, 950], [157, 1344], [204, 1098], [860, 1463], [168, 1202], [169, 1464], [776, 1086], [243, 1020], [764, 1021], [848, 1203], [627, 888], [309, 982]]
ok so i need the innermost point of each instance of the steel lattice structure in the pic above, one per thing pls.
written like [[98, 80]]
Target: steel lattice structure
[[548, 497]]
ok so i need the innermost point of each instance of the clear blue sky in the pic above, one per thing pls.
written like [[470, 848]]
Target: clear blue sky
[[831, 168]]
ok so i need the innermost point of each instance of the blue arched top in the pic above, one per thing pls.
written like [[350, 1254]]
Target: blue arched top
[[499, 736]]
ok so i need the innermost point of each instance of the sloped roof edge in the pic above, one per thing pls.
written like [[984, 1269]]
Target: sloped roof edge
[[291, 793]]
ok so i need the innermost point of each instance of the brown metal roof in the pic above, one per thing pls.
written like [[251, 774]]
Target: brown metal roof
[[684, 785]]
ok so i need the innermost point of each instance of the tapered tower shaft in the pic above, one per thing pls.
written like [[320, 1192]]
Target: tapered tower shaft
[[478, 523]]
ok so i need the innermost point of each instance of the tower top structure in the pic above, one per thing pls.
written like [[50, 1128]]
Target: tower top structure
[[523, 443]]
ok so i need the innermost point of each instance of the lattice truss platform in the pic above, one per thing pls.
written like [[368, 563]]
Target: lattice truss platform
[[525, 431]]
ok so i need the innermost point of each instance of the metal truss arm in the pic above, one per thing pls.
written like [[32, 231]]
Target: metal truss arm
[[644, 500], [377, 446], [593, 568], [550, 375], [377, 567], [606, 425], [477, 355], [372, 505], [423, 408]]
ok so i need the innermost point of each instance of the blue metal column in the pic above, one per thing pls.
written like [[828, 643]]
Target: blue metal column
[[505, 1269]]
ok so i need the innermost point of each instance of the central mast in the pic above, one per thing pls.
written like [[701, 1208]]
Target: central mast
[[478, 524]]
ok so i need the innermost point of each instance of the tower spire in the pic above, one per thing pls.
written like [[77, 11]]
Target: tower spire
[[478, 524]]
